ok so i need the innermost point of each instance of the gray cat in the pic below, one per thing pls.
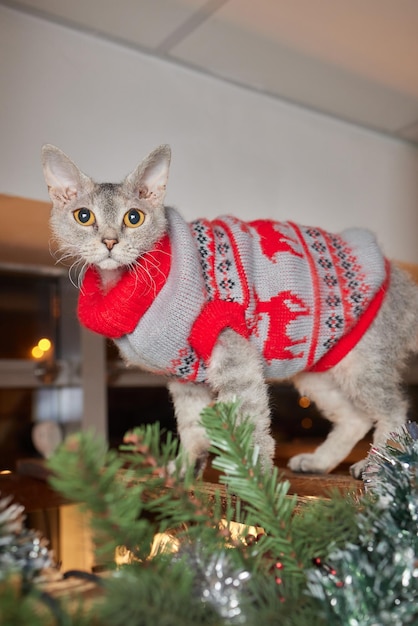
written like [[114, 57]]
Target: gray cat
[[219, 307]]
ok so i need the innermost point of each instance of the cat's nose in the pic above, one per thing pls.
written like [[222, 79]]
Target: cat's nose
[[109, 243]]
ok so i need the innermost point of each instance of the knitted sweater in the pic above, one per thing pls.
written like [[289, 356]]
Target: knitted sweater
[[303, 296]]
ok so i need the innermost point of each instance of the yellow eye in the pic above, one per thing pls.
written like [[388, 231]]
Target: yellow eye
[[134, 218], [84, 216]]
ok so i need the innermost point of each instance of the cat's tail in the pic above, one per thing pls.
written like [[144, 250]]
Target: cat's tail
[[404, 288]]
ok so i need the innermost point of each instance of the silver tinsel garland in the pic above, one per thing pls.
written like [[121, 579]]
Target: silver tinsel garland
[[216, 581], [21, 550], [375, 583], [394, 465]]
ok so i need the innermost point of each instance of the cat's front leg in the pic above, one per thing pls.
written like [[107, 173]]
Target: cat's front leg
[[235, 372], [189, 400]]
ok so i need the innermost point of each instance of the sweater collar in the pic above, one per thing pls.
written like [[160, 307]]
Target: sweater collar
[[117, 312]]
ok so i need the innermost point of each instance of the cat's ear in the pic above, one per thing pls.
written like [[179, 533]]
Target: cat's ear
[[149, 179], [65, 181]]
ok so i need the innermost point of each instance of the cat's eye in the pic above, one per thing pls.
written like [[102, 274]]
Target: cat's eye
[[84, 216], [133, 218]]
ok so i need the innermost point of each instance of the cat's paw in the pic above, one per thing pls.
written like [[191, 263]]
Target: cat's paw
[[181, 465], [200, 464], [308, 463], [357, 469]]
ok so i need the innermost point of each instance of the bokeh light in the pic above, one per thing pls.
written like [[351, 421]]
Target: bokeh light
[[44, 345]]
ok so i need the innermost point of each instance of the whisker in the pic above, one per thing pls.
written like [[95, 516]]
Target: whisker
[[72, 281], [150, 283], [63, 258], [133, 267], [80, 273], [64, 252], [153, 262], [73, 270], [148, 264]]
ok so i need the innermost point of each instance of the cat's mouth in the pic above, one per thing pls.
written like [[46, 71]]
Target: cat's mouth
[[108, 264], [111, 258], [108, 259]]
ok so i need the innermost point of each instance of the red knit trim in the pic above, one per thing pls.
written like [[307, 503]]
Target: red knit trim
[[118, 312], [213, 287], [349, 341], [215, 316]]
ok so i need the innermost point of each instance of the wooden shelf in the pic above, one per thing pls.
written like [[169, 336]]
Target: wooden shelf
[[33, 493], [29, 486]]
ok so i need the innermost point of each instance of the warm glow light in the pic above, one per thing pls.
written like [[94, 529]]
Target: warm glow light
[[37, 353], [168, 543], [306, 423], [162, 543], [2, 472], [44, 344], [304, 402], [240, 531]]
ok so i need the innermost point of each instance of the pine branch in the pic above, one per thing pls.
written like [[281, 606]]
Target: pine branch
[[20, 611], [84, 471], [147, 596], [324, 526], [134, 495], [174, 497], [265, 498], [366, 556]]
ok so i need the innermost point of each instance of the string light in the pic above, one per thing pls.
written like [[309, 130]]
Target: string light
[[304, 402], [37, 353], [43, 346], [306, 423]]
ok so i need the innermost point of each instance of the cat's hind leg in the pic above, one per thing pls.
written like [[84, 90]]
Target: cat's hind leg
[[189, 400], [376, 390], [372, 373], [365, 388], [349, 423], [356, 395], [235, 373]]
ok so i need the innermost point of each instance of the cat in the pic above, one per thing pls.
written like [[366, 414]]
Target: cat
[[220, 307]]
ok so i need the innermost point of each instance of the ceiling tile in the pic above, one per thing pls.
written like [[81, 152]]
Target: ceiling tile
[[410, 133], [375, 39], [145, 23], [312, 58]]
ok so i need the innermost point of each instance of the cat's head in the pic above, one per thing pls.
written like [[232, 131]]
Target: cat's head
[[106, 224]]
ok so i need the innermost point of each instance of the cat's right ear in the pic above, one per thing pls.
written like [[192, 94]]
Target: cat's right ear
[[62, 176]]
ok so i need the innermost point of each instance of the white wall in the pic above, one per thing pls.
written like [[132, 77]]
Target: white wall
[[233, 150]]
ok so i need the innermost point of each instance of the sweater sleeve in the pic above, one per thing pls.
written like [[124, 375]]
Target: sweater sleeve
[[216, 316]]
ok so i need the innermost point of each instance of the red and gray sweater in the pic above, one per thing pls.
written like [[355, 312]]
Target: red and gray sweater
[[303, 296]]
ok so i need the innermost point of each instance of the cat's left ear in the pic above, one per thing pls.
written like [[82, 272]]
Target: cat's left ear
[[149, 179]]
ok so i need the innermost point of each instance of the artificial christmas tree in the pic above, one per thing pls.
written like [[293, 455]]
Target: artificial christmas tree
[[337, 561]]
